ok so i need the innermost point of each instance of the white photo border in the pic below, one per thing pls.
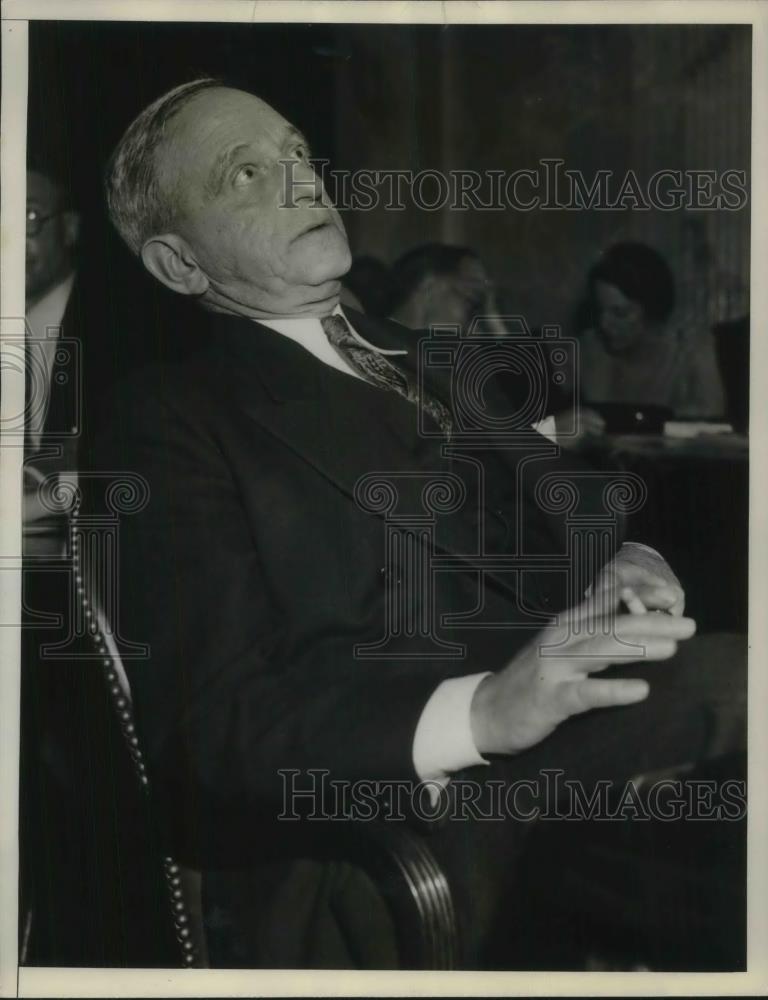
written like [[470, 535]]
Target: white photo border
[[38, 982]]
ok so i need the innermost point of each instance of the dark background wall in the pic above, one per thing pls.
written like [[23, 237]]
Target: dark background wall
[[503, 97], [425, 97]]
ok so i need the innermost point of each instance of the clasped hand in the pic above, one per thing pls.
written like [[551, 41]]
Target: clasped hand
[[643, 579], [552, 678]]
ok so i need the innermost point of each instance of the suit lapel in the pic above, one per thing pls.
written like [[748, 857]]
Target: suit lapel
[[341, 426], [335, 422], [65, 400]]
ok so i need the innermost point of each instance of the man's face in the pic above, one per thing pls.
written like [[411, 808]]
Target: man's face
[[472, 285], [49, 251], [458, 297], [223, 162], [621, 320]]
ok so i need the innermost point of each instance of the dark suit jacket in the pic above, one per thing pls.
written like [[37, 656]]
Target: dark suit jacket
[[104, 337], [89, 360], [253, 572]]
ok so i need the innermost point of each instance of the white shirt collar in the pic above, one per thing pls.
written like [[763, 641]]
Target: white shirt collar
[[308, 332], [48, 313]]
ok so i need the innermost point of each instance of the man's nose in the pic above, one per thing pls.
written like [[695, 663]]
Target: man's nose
[[303, 185]]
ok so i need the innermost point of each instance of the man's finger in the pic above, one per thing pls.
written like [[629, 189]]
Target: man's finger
[[587, 631], [600, 652], [597, 602], [666, 598], [584, 695], [662, 595], [593, 654], [677, 609], [634, 603], [635, 627], [587, 623]]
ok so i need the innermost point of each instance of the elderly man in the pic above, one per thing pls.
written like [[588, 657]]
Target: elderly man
[[258, 572]]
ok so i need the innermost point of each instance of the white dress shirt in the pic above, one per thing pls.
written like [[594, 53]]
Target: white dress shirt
[[443, 741]]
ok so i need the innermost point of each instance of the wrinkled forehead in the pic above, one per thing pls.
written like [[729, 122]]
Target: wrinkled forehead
[[214, 120]]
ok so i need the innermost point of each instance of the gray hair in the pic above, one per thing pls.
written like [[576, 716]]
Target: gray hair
[[137, 206]]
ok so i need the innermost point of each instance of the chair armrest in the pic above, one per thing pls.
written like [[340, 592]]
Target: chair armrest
[[417, 890]]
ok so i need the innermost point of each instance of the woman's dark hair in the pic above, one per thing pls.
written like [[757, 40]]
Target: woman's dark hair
[[412, 268], [640, 273]]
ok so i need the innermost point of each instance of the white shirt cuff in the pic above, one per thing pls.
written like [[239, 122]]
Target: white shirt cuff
[[443, 741]]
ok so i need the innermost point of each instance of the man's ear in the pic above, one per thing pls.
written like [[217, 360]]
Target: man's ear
[[170, 260]]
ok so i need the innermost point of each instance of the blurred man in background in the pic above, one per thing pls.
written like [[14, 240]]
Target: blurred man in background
[[442, 284], [52, 230]]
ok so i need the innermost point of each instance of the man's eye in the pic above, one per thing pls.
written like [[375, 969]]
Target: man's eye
[[246, 174], [301, 153]]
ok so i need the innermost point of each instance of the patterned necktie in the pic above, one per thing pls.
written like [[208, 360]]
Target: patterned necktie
[[379, 371]]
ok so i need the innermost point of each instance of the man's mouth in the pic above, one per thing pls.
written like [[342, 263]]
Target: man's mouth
[[313, 228]]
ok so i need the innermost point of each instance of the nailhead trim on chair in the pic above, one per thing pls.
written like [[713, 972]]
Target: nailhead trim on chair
[[422, 875], [121, 703]]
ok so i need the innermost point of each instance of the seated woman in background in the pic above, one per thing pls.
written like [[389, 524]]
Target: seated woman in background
[[634, 349]]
